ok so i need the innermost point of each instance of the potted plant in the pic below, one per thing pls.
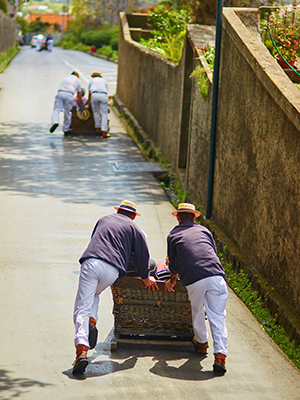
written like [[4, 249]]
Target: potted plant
[[282, 34]]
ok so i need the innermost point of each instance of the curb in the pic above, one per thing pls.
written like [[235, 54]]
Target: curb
[[102, 57]]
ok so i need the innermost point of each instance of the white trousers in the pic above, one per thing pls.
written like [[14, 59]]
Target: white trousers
[[50, 44], [39, 44], [211, 292], [95, 276], [63, 101], [99, 102]]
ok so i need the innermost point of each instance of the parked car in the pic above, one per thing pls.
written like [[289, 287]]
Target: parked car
[[34, 40]]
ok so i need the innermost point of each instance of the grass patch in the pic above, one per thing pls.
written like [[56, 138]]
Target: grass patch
[[202, 80], [6, 57], [242, 287]]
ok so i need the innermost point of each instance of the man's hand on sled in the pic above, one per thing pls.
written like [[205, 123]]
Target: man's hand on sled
[[169, 285], [150, 283]]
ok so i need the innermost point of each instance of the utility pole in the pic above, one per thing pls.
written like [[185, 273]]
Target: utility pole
[[214, 111]]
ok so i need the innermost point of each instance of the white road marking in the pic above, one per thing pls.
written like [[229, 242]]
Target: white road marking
[[82, 75]]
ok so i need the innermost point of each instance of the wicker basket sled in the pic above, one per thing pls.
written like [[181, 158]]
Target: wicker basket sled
[[83, 126], [147, 317]]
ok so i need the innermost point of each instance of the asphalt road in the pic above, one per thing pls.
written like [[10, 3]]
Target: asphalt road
[[52, 191]]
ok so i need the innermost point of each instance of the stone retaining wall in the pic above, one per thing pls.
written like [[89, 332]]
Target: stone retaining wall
[[7, 32], [256, 182]]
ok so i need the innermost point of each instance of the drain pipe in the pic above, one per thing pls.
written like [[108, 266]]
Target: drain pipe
[[214, 110]]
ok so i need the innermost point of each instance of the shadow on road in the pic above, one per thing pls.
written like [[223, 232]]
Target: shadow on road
[[126, 358], [79, 170], [12, 388]]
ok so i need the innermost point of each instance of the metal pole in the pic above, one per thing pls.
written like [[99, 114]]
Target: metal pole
[[214, 110]]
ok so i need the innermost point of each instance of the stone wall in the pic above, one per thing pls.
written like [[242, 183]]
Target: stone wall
[[151, 88], [256, 183], [7, 32], [199, 118]]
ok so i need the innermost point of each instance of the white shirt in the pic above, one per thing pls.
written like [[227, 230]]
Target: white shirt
[[98, 84], [70, 84]]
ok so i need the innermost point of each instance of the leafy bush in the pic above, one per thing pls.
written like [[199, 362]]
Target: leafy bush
[[3, 5], [114, 42], [202, 80], [98, 38], [210, 57], [169, 32], [23, 24]]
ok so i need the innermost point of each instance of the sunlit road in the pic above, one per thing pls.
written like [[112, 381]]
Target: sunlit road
[[52, 191]]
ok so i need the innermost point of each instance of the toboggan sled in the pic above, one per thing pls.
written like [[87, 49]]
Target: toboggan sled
[[147, 317]]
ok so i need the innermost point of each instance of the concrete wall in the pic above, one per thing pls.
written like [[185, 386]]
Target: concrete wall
[[7, 32], [199, 119], [151, 88], [257, 181]]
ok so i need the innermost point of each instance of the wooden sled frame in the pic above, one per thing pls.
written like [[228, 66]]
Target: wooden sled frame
[[150, 318]]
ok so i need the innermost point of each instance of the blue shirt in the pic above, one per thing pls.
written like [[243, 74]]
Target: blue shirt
[[192, 253], [114, 238]]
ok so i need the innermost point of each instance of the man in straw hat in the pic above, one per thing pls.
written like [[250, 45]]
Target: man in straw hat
[[114, 238], [192, 255], [98, 98], [68, 87]]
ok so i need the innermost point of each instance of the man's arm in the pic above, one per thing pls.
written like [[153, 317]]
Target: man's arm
[[79, 97], [141, 260], [89, 100], [169, 285]]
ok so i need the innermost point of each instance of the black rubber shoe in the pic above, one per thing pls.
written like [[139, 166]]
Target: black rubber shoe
[[81, 363], [53, 127], [93, 336]]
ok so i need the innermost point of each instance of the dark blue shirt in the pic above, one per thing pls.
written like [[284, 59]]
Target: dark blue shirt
[[114, 238], [192, 253]]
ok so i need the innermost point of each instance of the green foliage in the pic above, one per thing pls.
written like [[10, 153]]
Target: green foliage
[[7, 56], [56, 27], [108, 52], [241, 285], [283, 26], [114, 42], [99, 38], [23, 24], [176, 187], [169, 29], [209, 56], [200, 76], [38, 26], [3, 5]]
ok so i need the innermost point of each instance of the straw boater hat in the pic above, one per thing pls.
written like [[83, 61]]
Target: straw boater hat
[[187, 207], [128, 206], [94, 74]]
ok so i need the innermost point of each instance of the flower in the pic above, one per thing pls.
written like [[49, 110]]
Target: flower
[[282, 26]]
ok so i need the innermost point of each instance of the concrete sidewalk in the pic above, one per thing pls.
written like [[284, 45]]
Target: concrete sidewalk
[[52, 191]]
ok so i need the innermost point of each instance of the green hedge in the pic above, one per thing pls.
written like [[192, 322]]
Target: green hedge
[[101, 38]]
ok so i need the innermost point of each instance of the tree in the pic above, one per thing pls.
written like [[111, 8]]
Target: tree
[[3, 5]]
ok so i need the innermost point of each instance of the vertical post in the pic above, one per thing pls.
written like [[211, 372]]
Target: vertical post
[[214, 111]]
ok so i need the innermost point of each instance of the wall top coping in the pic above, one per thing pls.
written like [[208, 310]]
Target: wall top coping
[[268, 71], [201, 36]]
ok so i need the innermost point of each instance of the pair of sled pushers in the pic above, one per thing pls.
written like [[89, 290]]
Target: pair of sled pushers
[[150, 318]]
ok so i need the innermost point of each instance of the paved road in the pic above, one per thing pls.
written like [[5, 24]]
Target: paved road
[[52, 190]]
